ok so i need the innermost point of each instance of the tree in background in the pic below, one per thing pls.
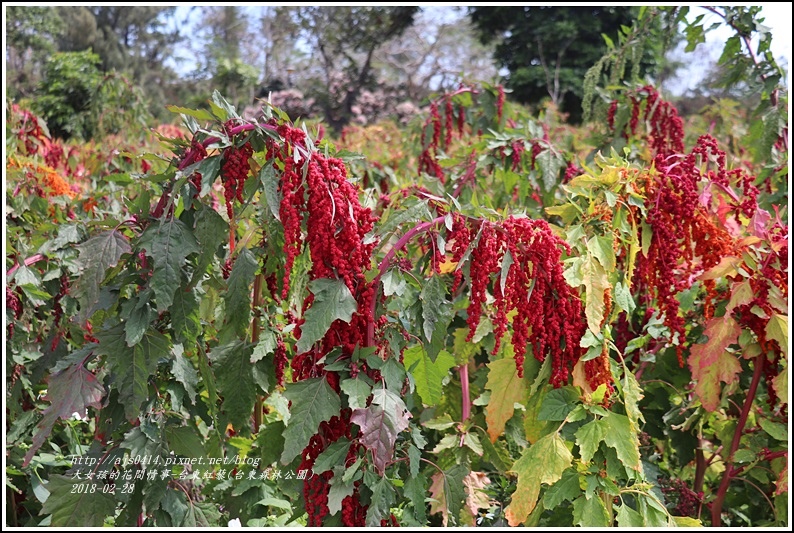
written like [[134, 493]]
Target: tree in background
[[548, 50], [346, 40], [31, 34], [437, 52]]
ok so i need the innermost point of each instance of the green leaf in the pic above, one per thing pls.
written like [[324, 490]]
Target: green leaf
[[70, 391], [238, 294], [338, 492], [313, 401], [235, 380], [543, 462], [266, 346], [393, 373], [383, 495], [565, 490], [132, 367], [270, 186], [184, 441], [628, 517], [434, 302], [507, 261], [200, 114], [428, 374], [332, 301], [357, 391], [777, 330], [632, 394], [270, 441], [185, 373], [601, 248], [211, 232], [506, 389], [624, 440], [596, 283], [185, 320], [590, 513], [774, 430], [550, 165], [414, 491], [332, 456], [623, 298], [534, 428], [203, 514], [138, 319], [447, 492], [685, 521], [558, 403], [73, 503], [170, 242], [589, 437], [97, 254]]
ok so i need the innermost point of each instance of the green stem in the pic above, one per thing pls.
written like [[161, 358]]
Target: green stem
[[463, 370]]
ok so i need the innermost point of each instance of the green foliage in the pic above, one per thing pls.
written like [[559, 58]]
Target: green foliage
[[153, 322]]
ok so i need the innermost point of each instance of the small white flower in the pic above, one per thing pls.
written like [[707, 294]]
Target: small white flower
[[235, 523]]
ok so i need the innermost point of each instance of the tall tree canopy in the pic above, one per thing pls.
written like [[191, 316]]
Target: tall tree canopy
[[548, 50]]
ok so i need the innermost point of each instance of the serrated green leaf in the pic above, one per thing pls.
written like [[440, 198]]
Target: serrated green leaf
[[169, 242], [266, 346], [506, 389], [138, 319], [332, 456], [414, 491], [338, 492], [235, 380], [774, 430], [238, 293], [601, 248], [186, 374], [313, 401], [589, 437], [434, 302], [97, 254], [777, 330], [185, 316], [202, 514], [558, 403], [632, 394], [623, 298], [427, 374], [184, 441], [357, 391], [590, 513], [270, 185], [399, 218], [211, 232], [332, 301], [543, 462], [70, 391], [270, 441], [464, 350], [628, 517], [447, 492], [72, 503], [132, 367], [393, 374], [383, 496], [623, 439], [566, 489], [200, 114]]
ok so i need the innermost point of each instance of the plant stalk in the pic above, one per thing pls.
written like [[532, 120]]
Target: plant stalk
[[255, 330], [716, 506]]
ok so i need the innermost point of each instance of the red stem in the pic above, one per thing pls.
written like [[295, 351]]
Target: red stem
[[730, 472], [27, 262], [463, 370], [424, 226]]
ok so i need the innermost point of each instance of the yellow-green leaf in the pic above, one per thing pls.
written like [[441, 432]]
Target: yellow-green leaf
[[506, 389], [543, 462], [777, 330], [595, 283]]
